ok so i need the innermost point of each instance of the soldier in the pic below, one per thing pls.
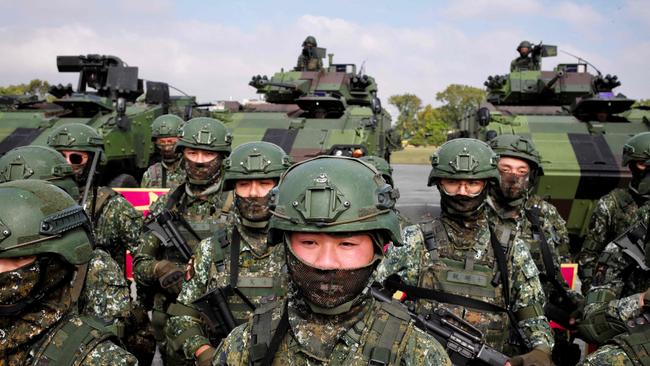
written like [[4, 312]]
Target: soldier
[[193, 211], [387, 173], [44, 248], [116, 224], [617, 210], [333, 215], [252, 170], [461, 254], [105, 294], [541, 227], [167, 173], [309, 59], [529, 58]]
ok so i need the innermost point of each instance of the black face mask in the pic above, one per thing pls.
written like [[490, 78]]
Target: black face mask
[[328, 288], [640, 183], [308, 52], [255, 209], [462, 206]]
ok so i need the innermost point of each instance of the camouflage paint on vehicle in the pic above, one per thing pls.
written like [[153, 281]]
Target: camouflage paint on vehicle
[[558, 110], [120, 109], [289, 118]]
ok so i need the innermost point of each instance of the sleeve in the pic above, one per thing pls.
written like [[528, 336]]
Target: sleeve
[[595, 241], [405, 260], [234, 349], [109, 354], [146, 179], [106, 292], [148, 250], [527, 298], [423, 349], [186, 330]]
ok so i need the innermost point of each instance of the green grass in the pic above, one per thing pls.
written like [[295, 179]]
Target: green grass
[[413, 155]]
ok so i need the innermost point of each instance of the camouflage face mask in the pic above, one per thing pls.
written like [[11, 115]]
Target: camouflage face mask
[[17, 285], [514, 186], [167, 152], [328, 288], [254, 209], [203, 173], [460, 205]]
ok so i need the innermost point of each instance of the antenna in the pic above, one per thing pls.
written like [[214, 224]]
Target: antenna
[[582, 59], [362, 69]]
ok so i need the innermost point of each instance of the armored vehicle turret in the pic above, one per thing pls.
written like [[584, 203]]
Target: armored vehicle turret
[[576, 120], [110, 97], [332, 111]]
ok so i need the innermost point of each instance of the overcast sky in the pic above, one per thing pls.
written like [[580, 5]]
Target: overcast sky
[[212, 48]]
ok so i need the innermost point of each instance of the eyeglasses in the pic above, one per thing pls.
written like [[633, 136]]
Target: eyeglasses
[[465, 187]]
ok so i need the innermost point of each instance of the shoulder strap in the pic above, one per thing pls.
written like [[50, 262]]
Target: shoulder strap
[[175, 196], [221, 242], [227, 203], [163, 178], [435, 236], [104, 194], [391, 331], [265, 337], [79, 337], [234, 257]]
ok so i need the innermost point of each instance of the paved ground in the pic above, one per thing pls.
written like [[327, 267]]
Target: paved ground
[[417, 201]]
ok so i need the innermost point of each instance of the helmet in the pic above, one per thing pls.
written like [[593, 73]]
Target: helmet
[[206, 134], [517, 147], [38, 162], [40, 218], [255, 160], [381, 165], [167, 125], [330, 194], [637, 148], [75, 136], [310, 40], [525, 44], [463, 158]]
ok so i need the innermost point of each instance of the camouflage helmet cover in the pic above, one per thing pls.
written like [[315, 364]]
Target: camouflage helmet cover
[[517, 146], [524, 44], [637, 148], [205, 134], [463, 158], [255, 160], [310, 40], [39, 218], [330, 194], [38, 162], [167, 125], [75, 136]]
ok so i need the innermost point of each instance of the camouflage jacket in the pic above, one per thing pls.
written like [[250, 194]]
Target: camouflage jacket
[[261, 277], [617, 285], [117, 225], [350, 344], [308, 64], [525, 63], [464, 263], [106, 292], [613, 214], [202, 213], [554, 230], [173, 175]]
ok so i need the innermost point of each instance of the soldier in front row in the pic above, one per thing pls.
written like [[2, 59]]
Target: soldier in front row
[[45, 244], [488, 270], [309, 60], [193, 210], [168, 172], [258, 274], [617, 210], [333, 215], [529, 58]]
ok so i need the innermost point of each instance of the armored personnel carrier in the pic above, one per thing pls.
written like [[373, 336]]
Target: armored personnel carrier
[[109, 97], [332, 111], [576, 120]]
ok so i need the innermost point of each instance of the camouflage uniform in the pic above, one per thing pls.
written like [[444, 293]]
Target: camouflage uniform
[[173, 174], [47, 329], [169, 172], [345, 327], [613, 214], [309, 63], [530, 62]]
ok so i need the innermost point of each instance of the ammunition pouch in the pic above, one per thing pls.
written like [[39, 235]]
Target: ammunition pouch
[[599, 328]]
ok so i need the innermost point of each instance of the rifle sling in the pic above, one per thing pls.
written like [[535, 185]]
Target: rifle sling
[[395, 283], [234, 267], [164, 175], [278, 335]]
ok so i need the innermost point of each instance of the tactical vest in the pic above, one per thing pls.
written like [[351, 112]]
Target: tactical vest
[[636, 343], [71, 342], [259, 289], [466, 276], [378, 342]]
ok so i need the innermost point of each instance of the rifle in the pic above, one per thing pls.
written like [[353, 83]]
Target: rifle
[[215, 311], [463, 342], [163, 227]]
